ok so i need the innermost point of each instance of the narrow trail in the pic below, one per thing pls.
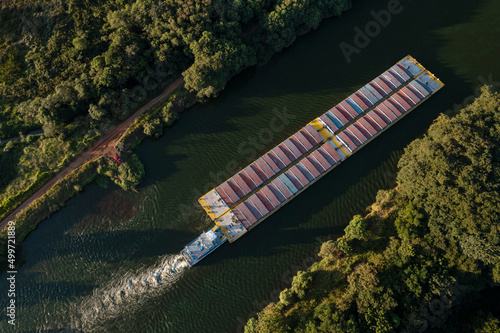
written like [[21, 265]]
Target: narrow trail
[[105, 146]]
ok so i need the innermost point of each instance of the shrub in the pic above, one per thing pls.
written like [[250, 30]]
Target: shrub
[[328, 249], [301, 282], [287, 296], [356, 228], [344, 246], [153, 128]]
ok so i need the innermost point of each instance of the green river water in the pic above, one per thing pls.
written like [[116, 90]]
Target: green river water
[[108, 262]]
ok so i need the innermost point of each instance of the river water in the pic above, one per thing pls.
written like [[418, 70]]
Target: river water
[[108, 262]]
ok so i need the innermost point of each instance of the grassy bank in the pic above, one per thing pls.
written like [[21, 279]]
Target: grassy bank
[[30, 162], [107, 85], [121, 54], [426, 257], [126, 174], [153, 122]]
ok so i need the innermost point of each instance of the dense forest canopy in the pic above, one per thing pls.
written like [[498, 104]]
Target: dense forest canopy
[[426, 257], [453, 173], [70, 70], [62, 59]]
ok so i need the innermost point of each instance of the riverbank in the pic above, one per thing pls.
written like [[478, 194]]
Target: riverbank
[[406, 265], [87, 251], [96, 160], [130, 133], [105, 146], [107, 83]]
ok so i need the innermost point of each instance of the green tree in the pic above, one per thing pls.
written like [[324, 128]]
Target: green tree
[[216, 61], [329, 249], [49, 128], [301, 283], [80, 43], [269, 321], [453, 174], [291, 17], [480, 249], [287, 296], [130, 173], [344, 246], [8, 146], [356, 228], [96, 112], [168, 114], [10, 64], [409, 222], [482, 322], [153, 128]]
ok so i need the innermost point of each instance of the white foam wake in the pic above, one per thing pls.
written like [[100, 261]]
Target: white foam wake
[[106, 302]]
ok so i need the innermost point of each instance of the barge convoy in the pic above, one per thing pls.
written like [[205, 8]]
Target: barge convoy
[[260, 189]]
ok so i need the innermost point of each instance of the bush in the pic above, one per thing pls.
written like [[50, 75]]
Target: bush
[[169, 116], [287, 296], [300, 283], [153, 128], [80, 43], [344, 246], [11, 203], [96, 112], [409, 222], [329, 249], [356, 228], [49, 129]]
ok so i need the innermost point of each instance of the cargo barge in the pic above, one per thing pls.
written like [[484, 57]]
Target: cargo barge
[[260, 189]]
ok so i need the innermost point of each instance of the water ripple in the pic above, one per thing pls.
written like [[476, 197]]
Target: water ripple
[[130, 291]]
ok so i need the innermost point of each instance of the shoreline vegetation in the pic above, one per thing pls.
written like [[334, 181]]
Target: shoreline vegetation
[[76, 69], [426, 257]]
